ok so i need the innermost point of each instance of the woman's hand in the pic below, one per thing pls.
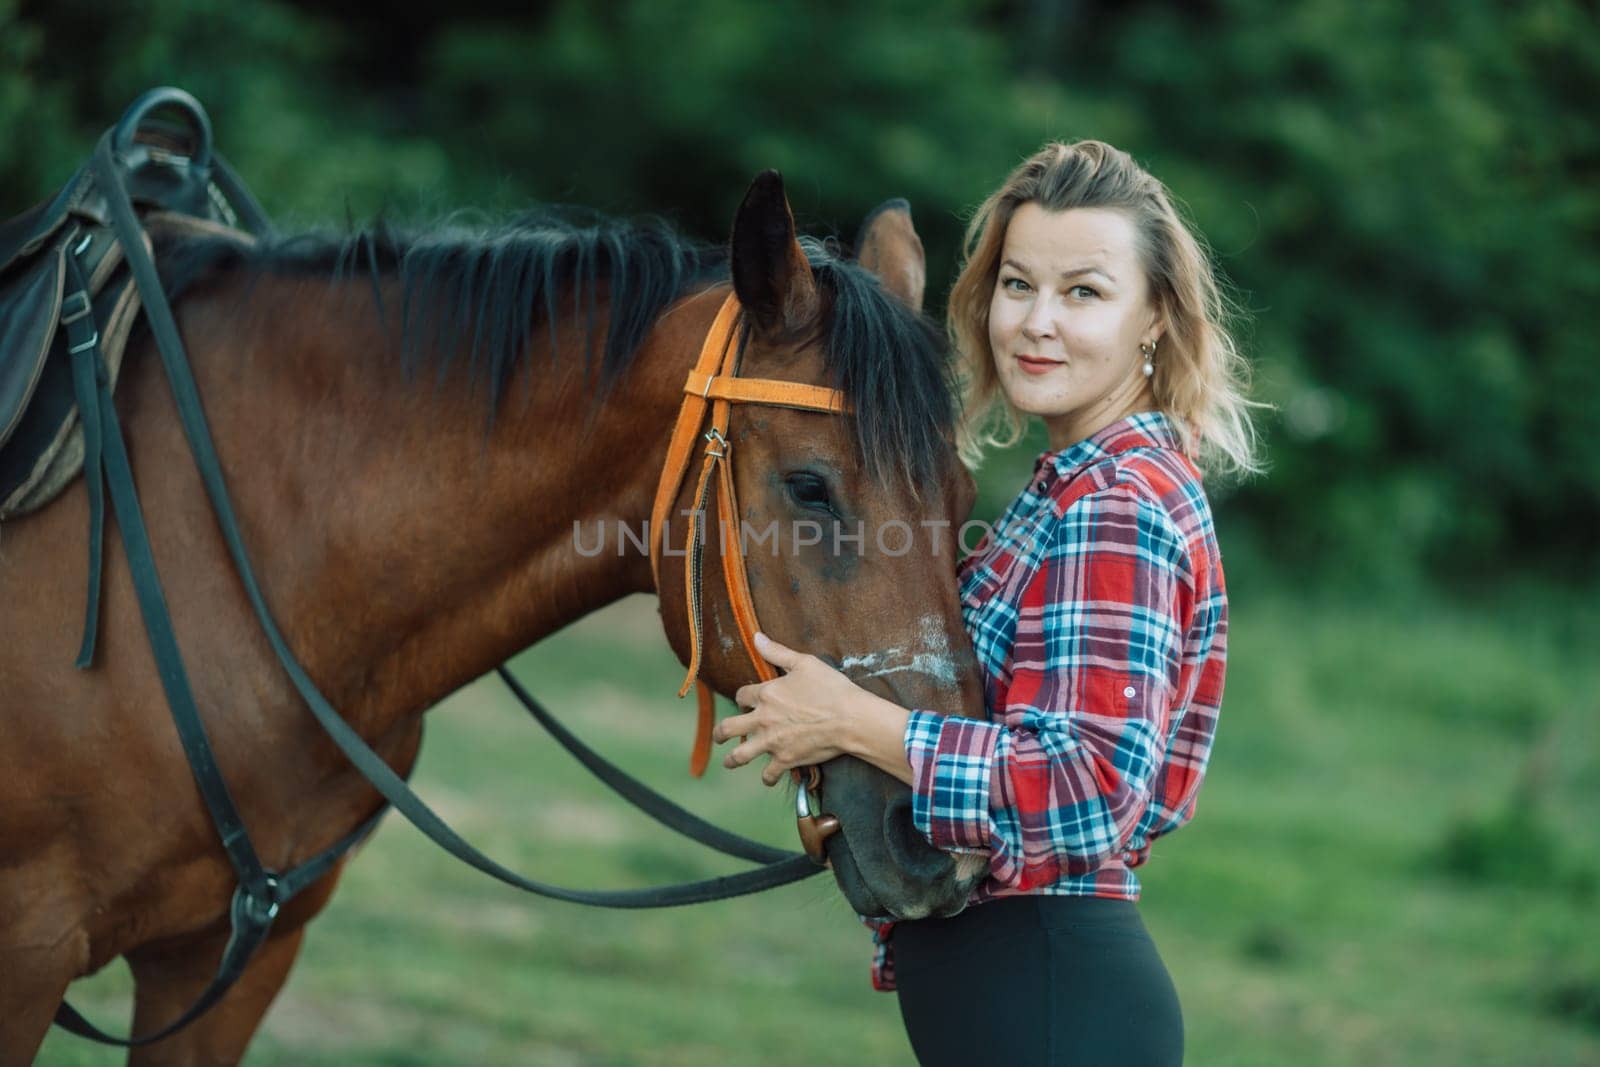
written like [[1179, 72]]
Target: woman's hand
[[808, 715]]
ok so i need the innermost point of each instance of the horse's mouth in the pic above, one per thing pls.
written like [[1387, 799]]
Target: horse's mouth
[[847, 874], [900, 900]]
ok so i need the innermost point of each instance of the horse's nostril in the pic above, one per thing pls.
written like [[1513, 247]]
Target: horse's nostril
[[911, 851]]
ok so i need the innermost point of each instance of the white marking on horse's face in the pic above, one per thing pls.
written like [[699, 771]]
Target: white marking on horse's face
[[931, 657], [726, 642], [870, 660]]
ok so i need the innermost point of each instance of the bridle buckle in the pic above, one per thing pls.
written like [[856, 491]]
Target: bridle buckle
[[815, 827]]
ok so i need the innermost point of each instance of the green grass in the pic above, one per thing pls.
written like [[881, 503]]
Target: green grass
[[1395, 861]]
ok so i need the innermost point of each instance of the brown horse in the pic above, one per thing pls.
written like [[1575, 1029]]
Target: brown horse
[[411, 428]]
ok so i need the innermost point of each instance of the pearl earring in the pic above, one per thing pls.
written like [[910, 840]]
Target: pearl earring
[[1149, 350]]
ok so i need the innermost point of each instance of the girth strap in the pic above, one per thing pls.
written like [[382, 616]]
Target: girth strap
[[88, 379]]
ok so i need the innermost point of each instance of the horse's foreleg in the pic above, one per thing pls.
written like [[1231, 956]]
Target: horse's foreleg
[[168, 982], [169, 977], [32, 983]]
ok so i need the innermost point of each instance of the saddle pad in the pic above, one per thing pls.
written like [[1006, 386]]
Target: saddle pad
[[45, 452], [30, 308]]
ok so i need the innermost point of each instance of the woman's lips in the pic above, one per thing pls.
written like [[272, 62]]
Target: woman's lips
[[1035, 365]]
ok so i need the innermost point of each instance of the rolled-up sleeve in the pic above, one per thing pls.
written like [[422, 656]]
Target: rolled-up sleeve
[[1057, 782]]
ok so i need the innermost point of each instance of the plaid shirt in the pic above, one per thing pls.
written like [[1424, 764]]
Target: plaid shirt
[[1098, 615]]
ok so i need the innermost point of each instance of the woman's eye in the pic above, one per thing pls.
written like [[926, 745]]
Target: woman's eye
[[1085, 290], [808, 490], [1015, 285]]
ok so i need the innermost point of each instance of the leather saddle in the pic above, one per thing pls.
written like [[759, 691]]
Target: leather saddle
[[174, 180]]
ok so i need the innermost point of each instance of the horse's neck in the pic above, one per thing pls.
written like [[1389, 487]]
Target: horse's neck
[[407, 547]]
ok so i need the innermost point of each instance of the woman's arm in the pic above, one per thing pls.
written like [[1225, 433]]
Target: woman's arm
[[1059, 780]]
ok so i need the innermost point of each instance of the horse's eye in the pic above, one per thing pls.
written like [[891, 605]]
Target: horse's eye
[[808, 490]]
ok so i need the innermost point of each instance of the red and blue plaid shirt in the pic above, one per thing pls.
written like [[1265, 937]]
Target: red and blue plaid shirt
[[1098, 615]]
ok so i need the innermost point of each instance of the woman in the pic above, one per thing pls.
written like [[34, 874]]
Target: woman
[[1097, 612]]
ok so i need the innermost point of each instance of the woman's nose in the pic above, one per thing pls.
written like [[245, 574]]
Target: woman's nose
[[1039, 324]]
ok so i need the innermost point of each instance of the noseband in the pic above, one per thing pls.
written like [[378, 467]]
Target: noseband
[[710, 392]]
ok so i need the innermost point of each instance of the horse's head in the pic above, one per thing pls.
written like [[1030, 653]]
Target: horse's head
[[849, 523]]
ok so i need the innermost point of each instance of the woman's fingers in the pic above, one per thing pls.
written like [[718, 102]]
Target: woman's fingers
[[733, 726], [739, 755], [746, 752], [777, 655]]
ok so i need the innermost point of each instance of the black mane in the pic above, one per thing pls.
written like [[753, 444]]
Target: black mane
[[495, 284]]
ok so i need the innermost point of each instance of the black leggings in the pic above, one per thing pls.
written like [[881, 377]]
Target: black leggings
[[1037, 980]]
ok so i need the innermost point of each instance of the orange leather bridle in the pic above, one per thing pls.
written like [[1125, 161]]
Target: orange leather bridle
[[710, 392]]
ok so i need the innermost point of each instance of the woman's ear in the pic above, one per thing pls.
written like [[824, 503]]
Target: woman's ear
[[1156, 332]]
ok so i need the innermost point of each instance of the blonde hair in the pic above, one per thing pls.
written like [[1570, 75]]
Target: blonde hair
[[1201, 378]]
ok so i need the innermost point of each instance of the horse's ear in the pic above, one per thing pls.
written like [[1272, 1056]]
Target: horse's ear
[[770, 274], [889, 247]]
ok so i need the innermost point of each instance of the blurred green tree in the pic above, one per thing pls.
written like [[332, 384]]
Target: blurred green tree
[[1404, 196]]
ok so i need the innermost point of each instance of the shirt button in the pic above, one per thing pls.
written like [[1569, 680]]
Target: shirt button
[[1128, 692]]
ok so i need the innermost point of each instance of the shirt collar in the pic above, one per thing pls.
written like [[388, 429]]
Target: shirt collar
[[1143, 429]]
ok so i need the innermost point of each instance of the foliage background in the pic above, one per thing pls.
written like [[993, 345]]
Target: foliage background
[[1404, 197]]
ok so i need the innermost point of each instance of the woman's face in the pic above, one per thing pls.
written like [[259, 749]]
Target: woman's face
[[1071, 307]]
